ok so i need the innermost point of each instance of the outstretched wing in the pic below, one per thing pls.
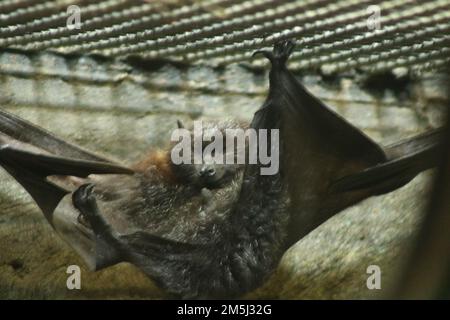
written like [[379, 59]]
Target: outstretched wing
[[31, 154], [317, 146], [405, 160], [25, 132]]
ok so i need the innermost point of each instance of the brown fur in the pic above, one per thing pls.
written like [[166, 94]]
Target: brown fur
[[159, 159]]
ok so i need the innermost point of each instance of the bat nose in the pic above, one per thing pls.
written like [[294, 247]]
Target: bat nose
[[207, 171]]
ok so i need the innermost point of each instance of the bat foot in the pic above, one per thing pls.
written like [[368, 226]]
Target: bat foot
[[108, 246], [84, 201], [280, 53]]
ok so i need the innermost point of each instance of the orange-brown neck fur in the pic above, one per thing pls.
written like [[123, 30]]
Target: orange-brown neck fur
[[159, 160]]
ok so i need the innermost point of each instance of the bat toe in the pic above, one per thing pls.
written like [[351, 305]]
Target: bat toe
[[280, 53], [283, 49]]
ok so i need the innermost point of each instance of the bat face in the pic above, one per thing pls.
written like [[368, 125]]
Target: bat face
[[212, 161]]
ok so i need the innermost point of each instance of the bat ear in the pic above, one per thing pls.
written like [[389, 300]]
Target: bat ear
[[280, 53], [180, 124]]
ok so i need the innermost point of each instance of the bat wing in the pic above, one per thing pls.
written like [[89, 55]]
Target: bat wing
[[31, 154], [327, 162], [32, 169], [30, 134], [405, 160], [317, 146]]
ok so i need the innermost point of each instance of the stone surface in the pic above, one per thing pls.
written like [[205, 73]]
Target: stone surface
[[126, 118]]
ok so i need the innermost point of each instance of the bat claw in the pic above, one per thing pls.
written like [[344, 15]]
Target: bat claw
[[283, 48], [84, 200], [265, 53], [280, 53]]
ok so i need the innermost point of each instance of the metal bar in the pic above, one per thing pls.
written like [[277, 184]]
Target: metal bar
[[346, 31], [181, 23]]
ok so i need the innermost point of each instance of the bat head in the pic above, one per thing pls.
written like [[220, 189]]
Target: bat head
[[213, 163]]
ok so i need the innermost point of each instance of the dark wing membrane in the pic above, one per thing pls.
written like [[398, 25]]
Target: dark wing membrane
[[317, 146], [31, 154], [26, 132], [290, 104], [328, 163], [46, 165], [148, 244], [407, 159], [46, 195], [32, 169], [430, 140]]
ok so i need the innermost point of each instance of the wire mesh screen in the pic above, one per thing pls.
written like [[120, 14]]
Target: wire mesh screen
[[333, 35]]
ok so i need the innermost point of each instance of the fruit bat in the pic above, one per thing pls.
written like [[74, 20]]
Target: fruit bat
[[219, 236]]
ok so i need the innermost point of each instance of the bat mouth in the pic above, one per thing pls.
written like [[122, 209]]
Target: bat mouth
[[75, 230]]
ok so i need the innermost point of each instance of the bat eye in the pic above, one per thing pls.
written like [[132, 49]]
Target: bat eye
[[83, 221]]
